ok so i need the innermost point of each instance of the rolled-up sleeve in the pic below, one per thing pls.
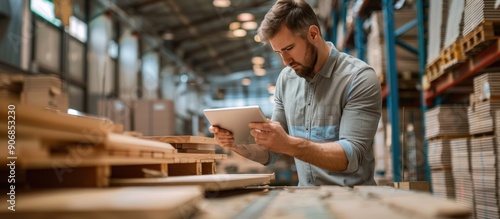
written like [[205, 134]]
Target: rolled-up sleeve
[[360, 117]]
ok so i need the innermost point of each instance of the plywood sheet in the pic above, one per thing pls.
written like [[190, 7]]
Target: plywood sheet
[[182, 139], [209, 182], [133, 202]]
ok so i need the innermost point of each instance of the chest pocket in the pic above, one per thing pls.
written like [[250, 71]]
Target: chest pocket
[[326, 123]]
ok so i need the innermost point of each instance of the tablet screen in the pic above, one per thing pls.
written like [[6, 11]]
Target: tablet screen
[[236, 120]]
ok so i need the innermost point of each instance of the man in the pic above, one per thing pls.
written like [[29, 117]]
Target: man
[[328, 104]]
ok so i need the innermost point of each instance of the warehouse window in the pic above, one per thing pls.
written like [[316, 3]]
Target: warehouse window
[[77, 29], [75, 59], [47, 46], [45, 9]]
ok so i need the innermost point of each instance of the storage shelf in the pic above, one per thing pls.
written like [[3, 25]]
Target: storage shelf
[[464, 71]]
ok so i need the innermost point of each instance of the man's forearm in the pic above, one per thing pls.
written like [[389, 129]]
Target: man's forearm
[[329, 155], [252, 152]]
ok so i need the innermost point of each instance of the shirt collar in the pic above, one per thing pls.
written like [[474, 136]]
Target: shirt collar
[[327, 70]]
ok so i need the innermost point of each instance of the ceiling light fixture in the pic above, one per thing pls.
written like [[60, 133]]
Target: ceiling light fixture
[[239, 33], [256, 38], [221, 3], [245, 17], [271, 88], [246, 82], [258, 60], [167, 36], [258, 70], [249, 25], [234, 25]]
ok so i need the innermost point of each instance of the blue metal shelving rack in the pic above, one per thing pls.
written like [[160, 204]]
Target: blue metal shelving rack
[[392, 77], [391, 40]]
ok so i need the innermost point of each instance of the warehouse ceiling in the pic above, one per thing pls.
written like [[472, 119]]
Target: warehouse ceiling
[[199, 34]]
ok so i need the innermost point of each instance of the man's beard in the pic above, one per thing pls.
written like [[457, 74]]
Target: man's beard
[[310, 61]]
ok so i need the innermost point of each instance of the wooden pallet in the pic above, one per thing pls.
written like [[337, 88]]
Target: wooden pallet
[[481, 37], [93, 166], [434, 70], [451, 56]]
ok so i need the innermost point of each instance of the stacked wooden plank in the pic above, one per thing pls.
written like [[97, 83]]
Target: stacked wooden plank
[[39, 90], [153, 203], [45, 91], [86, 152], [11, 87], [461, 169]]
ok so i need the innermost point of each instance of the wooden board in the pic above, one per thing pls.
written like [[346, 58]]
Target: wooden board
[[151, 203], [182, 139], [39, 117], [209, 182], [414, 201], [84, 155], [317, 202]]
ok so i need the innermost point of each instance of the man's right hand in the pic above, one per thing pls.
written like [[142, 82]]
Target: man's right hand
[[223, 137]]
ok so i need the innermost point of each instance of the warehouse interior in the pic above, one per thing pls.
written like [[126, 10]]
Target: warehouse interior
[[109, 97]]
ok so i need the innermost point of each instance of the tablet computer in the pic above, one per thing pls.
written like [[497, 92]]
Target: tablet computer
[[236, 119]]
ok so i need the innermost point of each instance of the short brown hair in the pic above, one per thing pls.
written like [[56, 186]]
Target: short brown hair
[[296, 15]]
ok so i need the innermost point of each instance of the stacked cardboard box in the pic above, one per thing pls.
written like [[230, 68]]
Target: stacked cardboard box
[[117, 111], [477, 11], [438, 17], [462, 171], [443, 125], [154, 117], [376, 47]]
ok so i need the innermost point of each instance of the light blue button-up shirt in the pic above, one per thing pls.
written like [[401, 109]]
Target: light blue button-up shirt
[[343, 104]]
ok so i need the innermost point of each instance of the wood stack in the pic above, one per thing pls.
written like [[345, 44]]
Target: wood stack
[[11, 87], [153, 203], [42, 91], [86, 152], [45, 91]]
